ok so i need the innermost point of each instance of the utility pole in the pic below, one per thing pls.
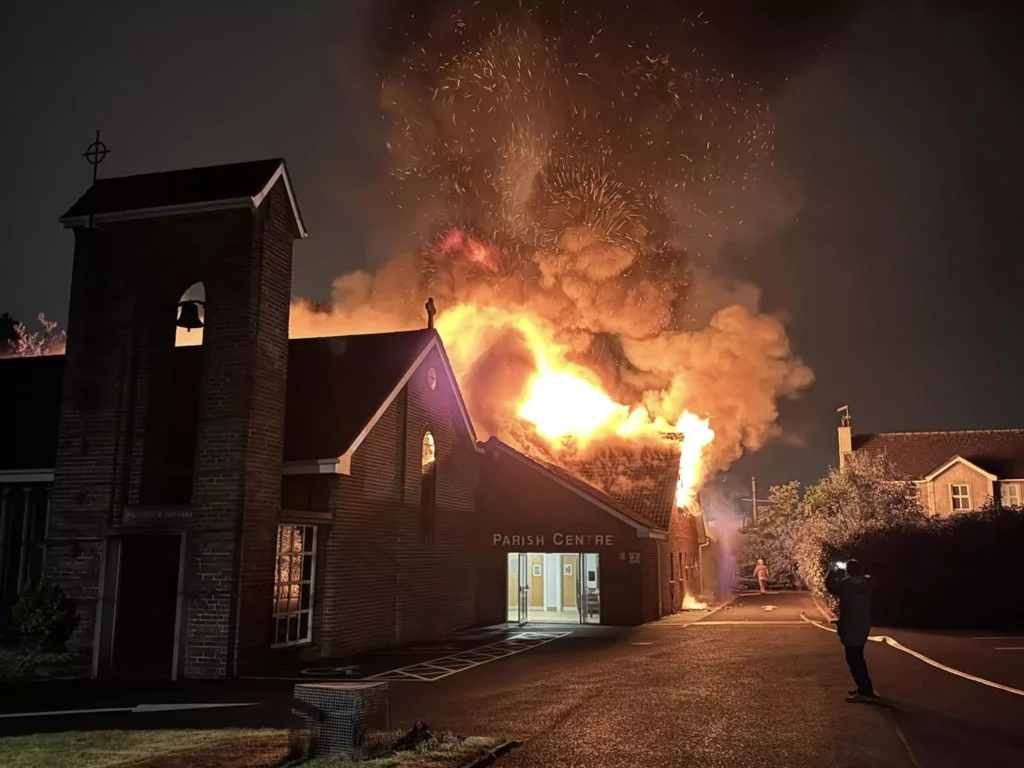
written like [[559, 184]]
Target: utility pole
[[754, 501], [753, 498]]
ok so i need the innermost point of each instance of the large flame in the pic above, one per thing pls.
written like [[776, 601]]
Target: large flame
[[564, 401]]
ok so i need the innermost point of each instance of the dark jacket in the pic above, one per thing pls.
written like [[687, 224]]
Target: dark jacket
[[854, 593]]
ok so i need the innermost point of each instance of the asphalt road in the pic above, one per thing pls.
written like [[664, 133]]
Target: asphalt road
[[740, 687]]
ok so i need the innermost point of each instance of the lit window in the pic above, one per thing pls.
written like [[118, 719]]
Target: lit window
[[1011, 495], [961, 495], [293, 584], [428, 487]]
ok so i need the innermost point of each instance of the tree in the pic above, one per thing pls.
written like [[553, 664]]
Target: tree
[[866, 494], [802, 530], [48, 341], [773, 539]]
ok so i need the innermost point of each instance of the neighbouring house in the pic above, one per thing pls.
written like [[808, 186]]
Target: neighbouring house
[[955, 471]]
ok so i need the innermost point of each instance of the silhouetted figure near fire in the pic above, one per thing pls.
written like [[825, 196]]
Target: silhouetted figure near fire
[[852, 586], [761, 574]]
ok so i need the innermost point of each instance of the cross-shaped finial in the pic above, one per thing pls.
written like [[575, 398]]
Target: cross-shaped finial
[[431, 311]]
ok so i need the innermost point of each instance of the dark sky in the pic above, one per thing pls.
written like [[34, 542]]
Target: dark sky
[[901, 129]]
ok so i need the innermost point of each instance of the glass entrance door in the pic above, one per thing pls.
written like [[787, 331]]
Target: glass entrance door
[[524, 588], [589, 589]]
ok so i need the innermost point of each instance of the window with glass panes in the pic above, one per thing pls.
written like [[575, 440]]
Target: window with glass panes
[[293, 584], [1011, 495], [961, 495]]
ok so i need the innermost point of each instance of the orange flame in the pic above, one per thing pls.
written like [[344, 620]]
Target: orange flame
[[563, 400]]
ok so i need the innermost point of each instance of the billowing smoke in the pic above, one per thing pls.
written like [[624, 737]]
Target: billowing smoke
[[579, 163]]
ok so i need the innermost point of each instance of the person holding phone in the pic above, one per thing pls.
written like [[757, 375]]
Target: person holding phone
[[848, 582]]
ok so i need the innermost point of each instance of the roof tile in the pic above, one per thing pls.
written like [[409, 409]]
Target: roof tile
[[916, 454]]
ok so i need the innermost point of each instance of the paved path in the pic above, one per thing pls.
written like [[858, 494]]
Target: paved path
[[738, 687]]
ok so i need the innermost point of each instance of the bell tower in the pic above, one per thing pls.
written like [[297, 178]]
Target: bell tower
[[168, 471]]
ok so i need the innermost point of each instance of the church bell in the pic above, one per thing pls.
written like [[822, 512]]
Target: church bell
[[188, 315]]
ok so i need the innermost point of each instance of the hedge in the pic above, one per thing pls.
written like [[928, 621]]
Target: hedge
[[959, 572]]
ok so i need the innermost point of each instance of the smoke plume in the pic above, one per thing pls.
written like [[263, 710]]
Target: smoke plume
[[570, 164]]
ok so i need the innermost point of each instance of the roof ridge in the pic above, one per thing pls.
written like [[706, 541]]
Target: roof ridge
[[267, 160]]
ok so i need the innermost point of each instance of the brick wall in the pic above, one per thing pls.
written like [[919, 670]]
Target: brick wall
[[126, 282], [517, 499], [380, 583], [679, 580]]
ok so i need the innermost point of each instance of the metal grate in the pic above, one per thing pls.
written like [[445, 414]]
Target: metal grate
[[350, 719]]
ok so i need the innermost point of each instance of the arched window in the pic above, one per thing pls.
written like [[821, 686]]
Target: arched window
[[428, 487]]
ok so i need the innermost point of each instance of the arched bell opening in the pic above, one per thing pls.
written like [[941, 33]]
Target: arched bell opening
[[191, 317], [172, 420]]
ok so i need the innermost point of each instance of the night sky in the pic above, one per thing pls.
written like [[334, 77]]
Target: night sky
[[900, 131]]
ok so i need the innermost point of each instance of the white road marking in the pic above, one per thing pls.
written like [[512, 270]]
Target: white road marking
[[140, 709], [999, 637], [742, 623], [893, 643], [1011, 648], [436, 669], [641, 643]]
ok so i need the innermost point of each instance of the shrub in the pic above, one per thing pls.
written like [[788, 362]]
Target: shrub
[[952, 572], [43, 618]]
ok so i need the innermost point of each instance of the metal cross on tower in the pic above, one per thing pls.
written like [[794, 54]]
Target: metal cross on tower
[[94, 155], [431, 311]]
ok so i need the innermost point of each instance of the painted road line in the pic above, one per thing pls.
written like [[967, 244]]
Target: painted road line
[[138, 710], [753, 623], [1011, 648], [893, 643], [437, 669], [641, 643], [1000, 637]]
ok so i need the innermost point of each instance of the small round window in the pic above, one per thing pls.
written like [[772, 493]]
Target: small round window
[[432, 378]]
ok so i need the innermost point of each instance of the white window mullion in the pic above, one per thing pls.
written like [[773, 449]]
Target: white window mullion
[[294, 579]]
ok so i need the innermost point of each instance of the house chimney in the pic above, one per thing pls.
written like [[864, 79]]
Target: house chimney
[[845, 435]]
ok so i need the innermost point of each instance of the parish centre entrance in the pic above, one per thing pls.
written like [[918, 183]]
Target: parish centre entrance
[[554, 587]]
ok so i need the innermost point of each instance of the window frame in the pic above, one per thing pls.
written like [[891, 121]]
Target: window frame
[[276, 615], [1003, 500], [428, 481], [957, 497]]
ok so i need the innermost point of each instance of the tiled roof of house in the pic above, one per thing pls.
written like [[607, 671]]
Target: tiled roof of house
[[916, 454], [130, 196], [29, 411], [640, 478], [638, 483]]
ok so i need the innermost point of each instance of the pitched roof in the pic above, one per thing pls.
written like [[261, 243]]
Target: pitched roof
[[916, 454], [337, 387], [30, 409], [194, 190], [642, 509], [642, 478]]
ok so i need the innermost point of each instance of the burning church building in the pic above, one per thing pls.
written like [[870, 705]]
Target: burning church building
[[214, 508]]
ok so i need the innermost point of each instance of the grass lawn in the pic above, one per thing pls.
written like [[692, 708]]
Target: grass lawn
[[443, 750], [99, 749], [213, 749]]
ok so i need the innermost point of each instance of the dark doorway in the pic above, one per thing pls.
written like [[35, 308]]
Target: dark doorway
[[147, 606]]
